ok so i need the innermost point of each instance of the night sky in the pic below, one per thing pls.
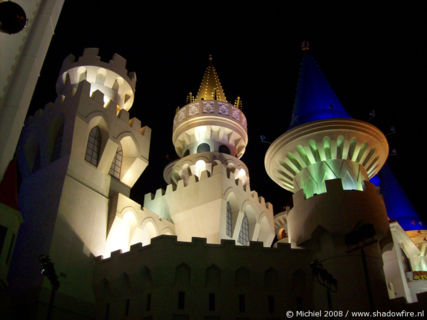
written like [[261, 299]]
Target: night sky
[[372, 57]]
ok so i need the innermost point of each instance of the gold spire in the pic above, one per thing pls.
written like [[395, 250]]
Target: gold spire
[[211, 88]]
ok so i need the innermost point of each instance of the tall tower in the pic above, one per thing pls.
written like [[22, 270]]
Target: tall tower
[[21, 59], [326, 159], [75, 156], [208, 193]]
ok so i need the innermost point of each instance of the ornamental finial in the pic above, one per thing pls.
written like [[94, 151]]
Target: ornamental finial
[[238, 103], [305, 46]]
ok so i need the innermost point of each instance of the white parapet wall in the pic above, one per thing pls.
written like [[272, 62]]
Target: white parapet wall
[[198, 206]]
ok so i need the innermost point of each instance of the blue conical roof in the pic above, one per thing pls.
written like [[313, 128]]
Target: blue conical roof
[[397, 204], [315, 99]]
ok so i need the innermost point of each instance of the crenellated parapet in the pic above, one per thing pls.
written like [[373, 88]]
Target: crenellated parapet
[[92, 104], [198, 268], [201, 205], [36, 144], [195, 164], [217, 170], [111, 78], [143, 269], [337, 211], [172, 240], [116, 130], [40, 130]]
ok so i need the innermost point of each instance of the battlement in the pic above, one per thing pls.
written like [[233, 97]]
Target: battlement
[[337, 211], [91, 57], [217, 169], [180, 169], [90, 103], [171, 241], [335, 186], [111, 78]]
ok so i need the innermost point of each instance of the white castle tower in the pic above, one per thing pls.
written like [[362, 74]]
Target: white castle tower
[[77, 156], [208, 193], [326, 159]]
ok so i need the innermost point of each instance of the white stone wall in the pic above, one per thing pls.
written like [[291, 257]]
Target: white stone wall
[[337, 211], [166, 267], [67, 201], [197, 207], [128, 224]]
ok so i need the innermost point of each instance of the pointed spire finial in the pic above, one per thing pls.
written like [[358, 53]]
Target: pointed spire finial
[[190, 98], [238, 103], [315, 99], [210, 88], [305, 46]]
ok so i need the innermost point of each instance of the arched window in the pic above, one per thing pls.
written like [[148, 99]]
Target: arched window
[[203, 147], [244, 232], [271, 279], [93, 146], [116, 165], [182, 276], [224, 149], [228, 221], [213, 277], [242, 277], [146, 277], [56, 151]]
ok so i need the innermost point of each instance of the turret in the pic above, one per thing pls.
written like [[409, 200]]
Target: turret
[[209, 192], [111, 78], [326, 159], [76, 157], [323, 141], [208, 128]]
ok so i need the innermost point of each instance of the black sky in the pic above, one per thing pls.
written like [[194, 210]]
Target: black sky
[[374, 58]]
